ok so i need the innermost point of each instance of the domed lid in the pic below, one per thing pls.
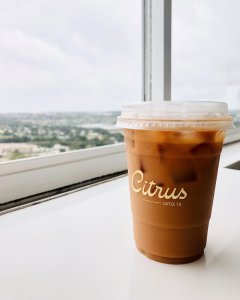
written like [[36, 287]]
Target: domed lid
[[175, 114]]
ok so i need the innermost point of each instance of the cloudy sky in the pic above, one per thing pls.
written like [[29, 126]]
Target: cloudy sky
[[206, 50], [68, 55]]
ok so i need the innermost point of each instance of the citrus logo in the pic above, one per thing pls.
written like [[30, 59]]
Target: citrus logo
[[139, 185]]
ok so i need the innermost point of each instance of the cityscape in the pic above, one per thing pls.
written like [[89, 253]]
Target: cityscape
[[25, 135]]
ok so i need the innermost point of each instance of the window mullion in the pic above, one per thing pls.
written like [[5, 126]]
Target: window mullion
[[157, 49]]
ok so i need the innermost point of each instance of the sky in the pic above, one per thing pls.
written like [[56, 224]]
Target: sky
[[69, 55], [86, 55], [205, 51]]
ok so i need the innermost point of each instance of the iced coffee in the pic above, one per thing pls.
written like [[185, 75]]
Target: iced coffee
[[172, 166]]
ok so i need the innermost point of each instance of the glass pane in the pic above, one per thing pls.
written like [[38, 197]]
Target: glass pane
[[66, 67], [205, 52]]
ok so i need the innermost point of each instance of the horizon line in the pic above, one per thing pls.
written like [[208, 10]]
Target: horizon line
[[60, 112]]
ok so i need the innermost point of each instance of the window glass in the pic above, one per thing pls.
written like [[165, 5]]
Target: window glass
[[205, 52], [66, 67]]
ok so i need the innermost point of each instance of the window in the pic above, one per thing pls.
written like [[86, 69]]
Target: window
[[163, 66], [66, 69], [191, 54], [205, 52]]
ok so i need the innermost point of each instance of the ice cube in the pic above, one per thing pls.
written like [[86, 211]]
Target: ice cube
[[182, 171], [156, 170], [151, 136], [186, 137], [203, 149], [208, 136]]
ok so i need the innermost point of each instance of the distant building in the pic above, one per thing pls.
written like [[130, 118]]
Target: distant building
[[8, 148], [58, 148]]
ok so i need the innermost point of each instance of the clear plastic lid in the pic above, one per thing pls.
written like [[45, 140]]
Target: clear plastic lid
[[172, 115]]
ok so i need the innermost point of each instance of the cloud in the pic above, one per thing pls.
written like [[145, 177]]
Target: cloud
[[206, 43], [69, 55], [87, 55]]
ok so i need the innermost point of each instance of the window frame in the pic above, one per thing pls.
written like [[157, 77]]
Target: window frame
[[30, 176], [157, 55], [157, 50]]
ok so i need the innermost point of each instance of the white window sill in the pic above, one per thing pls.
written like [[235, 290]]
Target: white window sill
[[80, 246]]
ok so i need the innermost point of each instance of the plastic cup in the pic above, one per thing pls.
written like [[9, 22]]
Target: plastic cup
[[173, 151]]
